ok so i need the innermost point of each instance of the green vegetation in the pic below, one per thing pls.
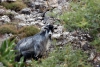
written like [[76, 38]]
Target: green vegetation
[[7, 54], [96, 44], [84, 14], [17, 6], [65, 57]]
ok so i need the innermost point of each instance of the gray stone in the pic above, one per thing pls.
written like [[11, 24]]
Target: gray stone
[[47, 14], [52, 3], [56, 35], [5, 19], [65, 34], [2, 11], [20, 17], [11, 0], [8, 0], [1, 65], [26, 11]]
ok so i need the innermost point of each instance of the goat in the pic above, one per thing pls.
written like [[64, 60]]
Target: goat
[[34, 46]]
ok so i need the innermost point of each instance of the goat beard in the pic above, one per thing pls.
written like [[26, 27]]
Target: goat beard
[[50, 37]]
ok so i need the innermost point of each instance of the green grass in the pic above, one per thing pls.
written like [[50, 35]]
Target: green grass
[[65, 57], [84, 14]]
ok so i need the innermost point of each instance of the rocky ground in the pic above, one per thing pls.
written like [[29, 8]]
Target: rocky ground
[[39, 13]]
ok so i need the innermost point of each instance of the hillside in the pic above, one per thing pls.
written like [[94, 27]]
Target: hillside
[[75, 41]]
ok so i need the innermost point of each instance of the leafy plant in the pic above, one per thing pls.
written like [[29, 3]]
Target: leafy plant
[[7, 54]]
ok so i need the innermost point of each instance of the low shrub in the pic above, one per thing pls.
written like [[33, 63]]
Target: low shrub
[[17, 6], [7, 55], [7, 29], [28, 31]]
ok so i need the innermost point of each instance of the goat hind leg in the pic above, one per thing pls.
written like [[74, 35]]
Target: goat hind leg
[[17, 58]]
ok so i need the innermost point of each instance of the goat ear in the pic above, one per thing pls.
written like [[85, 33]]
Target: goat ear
[[45, 27]]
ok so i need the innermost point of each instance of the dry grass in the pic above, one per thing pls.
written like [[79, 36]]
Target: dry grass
[[28, 31], [21, 33], [8, 29]]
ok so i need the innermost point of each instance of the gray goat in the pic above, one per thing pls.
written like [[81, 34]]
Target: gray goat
[[34, 46]]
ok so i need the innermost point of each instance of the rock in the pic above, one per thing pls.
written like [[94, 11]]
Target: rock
[[59, 44], [49, 21], [30, 20], [56, 36], [39, 23], [5, 18], [11, 0], [85, 45], [61, 1], [39, 18], [47, 14], [65, 34], [4, 37], [92, 56], [26, 11], [2, 11], [52, 3], [60, 29], [20, 17], [11, 12], [1, 65], [21, 24], [8, 0]]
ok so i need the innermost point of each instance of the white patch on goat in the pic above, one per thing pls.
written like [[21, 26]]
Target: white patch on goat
[[46, 34], [50, 33], [23, 44], [49, 41], [48, 44]]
